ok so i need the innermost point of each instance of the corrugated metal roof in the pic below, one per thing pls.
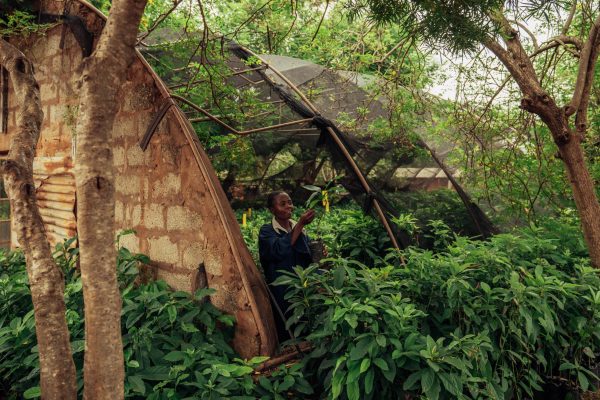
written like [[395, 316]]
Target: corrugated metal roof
[[55, 189]]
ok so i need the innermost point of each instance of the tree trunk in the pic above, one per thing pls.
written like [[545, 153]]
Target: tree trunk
[[57, 370], [538, 102], [584, 194], [103, 75]]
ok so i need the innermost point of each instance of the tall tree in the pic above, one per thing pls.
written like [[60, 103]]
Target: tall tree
[[103, 75], [474, 23], [46, 280]]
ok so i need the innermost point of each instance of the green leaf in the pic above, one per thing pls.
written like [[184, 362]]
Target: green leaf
[[353, 370], [312, 188], [172, 311], [265, 383], [583, 381], [352, 320], [336, 384], [455, 362], [258, 360], [339, 276], [189, 328], [352, 389], [588, 352], [32, 393], [288, 382], [427, 379], [566, 366], [360, 350], [175, 356], [369, 378], [485, 287], [156, 373], [411, 382], [380, 362], [430, 385], [365, 364], [137, 384], [452, 383], [339, 313]]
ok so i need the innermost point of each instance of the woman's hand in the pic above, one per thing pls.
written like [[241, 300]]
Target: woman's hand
[[306, 218]]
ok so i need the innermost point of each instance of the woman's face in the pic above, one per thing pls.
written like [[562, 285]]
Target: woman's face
[[283, 207]]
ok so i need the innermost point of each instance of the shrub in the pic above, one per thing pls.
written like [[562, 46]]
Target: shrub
[[175, 344], [494, 319]]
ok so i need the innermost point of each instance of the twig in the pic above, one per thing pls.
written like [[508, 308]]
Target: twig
[[321, 21], [160, 19]]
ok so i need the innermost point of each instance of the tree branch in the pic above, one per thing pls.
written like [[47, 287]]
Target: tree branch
[[560, 40], [160, 19], [321, 21], [569, 20], [529, 33], [585, 75]]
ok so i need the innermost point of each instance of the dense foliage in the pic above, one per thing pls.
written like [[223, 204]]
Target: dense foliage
[[176, 345], [504, 318], [497, 319]]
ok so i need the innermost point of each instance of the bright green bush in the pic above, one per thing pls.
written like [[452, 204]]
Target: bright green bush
[[494, 319]]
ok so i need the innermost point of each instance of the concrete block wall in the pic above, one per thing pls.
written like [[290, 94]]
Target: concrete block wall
[[176, 206]]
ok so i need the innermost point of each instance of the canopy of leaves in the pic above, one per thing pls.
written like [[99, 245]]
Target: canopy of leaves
[[458, 25]]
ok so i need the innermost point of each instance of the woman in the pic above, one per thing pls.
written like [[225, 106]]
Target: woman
[[282, 245]]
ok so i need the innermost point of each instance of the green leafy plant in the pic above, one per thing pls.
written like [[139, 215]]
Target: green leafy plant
[[175, 345], [494, 319]]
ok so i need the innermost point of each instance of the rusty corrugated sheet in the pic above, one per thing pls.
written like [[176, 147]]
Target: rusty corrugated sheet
[[55, 189]]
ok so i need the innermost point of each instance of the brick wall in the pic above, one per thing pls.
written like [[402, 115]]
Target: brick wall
[[168, 194]]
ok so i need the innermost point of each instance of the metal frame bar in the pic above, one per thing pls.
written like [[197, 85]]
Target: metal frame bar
[[340, 145]]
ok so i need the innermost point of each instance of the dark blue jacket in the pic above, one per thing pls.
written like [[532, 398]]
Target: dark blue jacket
[[277, 253]]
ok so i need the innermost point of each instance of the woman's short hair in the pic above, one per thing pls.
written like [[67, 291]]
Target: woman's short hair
[[272, 196]]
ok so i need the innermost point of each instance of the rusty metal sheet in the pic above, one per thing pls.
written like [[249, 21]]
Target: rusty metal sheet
[[55, 190]]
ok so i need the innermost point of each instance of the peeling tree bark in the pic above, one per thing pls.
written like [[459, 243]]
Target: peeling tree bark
[[57, 370], [102, 76]]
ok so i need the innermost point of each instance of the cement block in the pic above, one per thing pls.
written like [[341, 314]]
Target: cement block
[[48, 93], [119, 211], [130, 242], [181, 218], [125, 126], [154, 216], [118, 157], [135, 156], [175, 281], [213, 265], [163, 250], [168, 185], [193, 255], [127, 185], [135, 215]]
